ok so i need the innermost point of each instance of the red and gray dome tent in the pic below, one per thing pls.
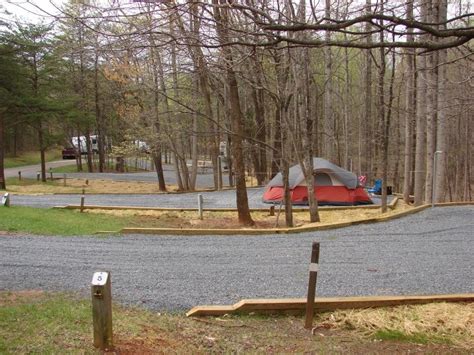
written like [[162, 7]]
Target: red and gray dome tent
[[333, 186]]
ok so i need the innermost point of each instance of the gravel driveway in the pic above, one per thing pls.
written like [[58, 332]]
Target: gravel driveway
[[427, 253]]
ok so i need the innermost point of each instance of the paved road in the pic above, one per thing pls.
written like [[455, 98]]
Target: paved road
[[427, 253]]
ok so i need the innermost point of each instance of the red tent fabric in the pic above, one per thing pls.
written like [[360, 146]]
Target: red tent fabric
[[333, 186]]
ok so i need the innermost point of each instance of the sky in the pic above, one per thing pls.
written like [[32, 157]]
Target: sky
[[29, 10]]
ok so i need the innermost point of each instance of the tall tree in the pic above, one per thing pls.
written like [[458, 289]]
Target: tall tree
[[222, 22]]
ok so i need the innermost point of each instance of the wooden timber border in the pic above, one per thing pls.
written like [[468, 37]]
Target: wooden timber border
[[251, 231], [322, 304]]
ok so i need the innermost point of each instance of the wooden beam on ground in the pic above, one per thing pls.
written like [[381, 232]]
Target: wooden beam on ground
[[298, 305]]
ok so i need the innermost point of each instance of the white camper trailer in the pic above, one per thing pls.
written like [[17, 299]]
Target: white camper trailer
[[80, 144]]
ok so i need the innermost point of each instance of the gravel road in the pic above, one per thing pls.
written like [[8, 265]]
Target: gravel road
[[426, 253], [213, 199], [205, 178]]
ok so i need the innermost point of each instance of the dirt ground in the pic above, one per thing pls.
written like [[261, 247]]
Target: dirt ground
[[90, 186], [228, 219]]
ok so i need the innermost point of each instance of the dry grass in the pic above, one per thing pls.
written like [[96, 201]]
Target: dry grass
[[93, 186], [447, 322], [228, 219]]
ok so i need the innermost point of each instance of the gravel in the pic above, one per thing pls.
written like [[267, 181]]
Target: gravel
[[205, 178], [426, 253], [214, 199]]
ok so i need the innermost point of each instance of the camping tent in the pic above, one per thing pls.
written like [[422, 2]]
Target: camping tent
[[333, 186]]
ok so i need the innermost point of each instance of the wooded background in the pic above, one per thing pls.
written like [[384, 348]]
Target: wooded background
[[376, 87]]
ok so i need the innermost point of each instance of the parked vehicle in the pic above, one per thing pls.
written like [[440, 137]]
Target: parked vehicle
[[69, 153], [80, 144]]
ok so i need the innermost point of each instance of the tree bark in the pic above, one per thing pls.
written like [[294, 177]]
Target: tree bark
[[441, 144], [3, 184], [431, 107], [410, 113], [329, 134], [420, 149], [98, 115], [236, 119]]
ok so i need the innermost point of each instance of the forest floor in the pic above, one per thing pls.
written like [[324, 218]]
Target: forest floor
[[62, 322]]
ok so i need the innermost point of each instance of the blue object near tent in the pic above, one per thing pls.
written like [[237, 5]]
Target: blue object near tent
[[377, 188]]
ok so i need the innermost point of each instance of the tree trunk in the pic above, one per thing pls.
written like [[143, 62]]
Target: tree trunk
[[287, 193], [329, 135], [90, 166], [194, 154], [236, 118], [420, 149], [98, 116], [431, 107], [42, 150], [410, 114], [382, 118], [3, 184], [159, 168], [365, 141], [441, 144]]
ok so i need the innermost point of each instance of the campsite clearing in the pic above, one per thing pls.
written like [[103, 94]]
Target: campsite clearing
[[215, 219]]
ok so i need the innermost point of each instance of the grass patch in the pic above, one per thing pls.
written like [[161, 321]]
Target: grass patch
[[55, 221], [417, 338], [68, 169], [31, 158], [63, 323], [43, 324]]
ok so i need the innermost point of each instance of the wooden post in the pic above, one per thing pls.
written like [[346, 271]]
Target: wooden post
[[19, 176], [6, 200], [38, 176], [102, 310], [219, 172], [64, 177], [200, 203], [83, 197], [51, 173], [278, 215], [313, 275], [272, 210]]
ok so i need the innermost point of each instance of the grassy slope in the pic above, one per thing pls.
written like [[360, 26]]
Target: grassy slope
[[60, 222], [35, 322], [30, 158]]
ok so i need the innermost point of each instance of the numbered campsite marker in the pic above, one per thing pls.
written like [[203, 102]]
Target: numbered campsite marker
[[100, 278], [6, 200], [101, 292]]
